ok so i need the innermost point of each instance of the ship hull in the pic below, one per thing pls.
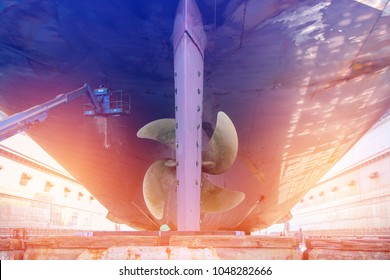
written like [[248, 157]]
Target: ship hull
[[301, 81]]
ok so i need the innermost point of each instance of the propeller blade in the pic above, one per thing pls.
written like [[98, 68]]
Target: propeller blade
[[215, 199], [223, 146], [219, 155], [162, 130], [158, 180]]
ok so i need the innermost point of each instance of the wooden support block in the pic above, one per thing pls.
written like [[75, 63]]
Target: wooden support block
[[183, 253], [325, 254], [195, 246], [52, 254], [10, 244], [167, 247], [347, 249], [381, 245], [11, 255], [234, 242], [258, 254], [91, 241]]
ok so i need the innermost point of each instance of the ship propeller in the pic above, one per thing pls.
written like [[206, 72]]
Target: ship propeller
[[218, 156]]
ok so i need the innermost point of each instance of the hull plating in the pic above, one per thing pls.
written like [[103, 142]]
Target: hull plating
[[301, 81]]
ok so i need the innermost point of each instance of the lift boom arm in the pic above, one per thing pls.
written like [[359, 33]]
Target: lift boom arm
[[21, 121]]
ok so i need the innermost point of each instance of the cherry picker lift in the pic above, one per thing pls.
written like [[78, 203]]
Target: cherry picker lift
[[100, 102]]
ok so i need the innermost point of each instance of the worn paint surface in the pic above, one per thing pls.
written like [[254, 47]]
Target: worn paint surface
[[301, 81]]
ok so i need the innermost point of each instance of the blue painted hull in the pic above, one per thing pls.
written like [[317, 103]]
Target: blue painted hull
[[301, 80]]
